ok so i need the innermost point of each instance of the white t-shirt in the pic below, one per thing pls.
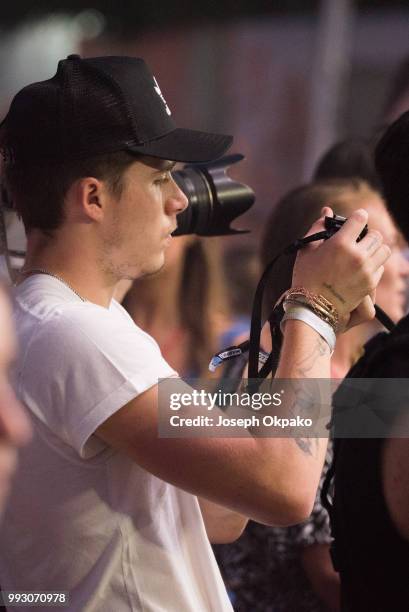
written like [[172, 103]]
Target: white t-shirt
[[82, 517]]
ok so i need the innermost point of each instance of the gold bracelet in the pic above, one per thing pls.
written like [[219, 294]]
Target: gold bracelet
[[317, 303]]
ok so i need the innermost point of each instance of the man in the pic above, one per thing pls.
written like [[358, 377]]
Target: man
[[14, 427], [370, 516], [102, 507]]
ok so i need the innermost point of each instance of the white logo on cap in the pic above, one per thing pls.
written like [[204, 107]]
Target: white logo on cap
[[158, 91]]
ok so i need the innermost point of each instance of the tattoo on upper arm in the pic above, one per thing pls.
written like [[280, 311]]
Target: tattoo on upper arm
[[334, 292]]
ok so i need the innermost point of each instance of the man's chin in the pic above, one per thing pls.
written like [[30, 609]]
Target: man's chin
[[152, 270]]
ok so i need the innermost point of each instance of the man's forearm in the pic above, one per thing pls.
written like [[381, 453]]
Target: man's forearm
[[292, 466], [305, 355]]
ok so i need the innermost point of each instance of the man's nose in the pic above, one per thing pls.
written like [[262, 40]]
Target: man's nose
[[178, 198]]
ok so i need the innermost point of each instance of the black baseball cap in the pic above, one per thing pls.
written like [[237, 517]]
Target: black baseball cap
[[93, 106]]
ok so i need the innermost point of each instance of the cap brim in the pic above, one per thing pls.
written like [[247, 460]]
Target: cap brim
[[186, 146]]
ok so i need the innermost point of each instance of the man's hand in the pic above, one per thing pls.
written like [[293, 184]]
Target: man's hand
[[344, 271]]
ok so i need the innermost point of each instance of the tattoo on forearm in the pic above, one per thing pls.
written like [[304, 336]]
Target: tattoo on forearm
[[305, 365], [306, 405], [335, 293], [305, 444]]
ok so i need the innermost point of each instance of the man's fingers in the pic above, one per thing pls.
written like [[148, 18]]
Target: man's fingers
[[378, 275], [380, 256], [365, 311], [318, 225], [354, 225], [371, 242], [326, 211]]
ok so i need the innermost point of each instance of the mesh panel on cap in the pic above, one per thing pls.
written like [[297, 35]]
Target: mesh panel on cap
[[94, 115], [31, 125]]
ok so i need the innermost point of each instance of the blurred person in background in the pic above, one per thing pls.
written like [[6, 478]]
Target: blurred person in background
[[286, 223], [242, 272], [370, 511], [199, 303], [184, 306], [350, 158], [272, 569], [354, 158], [397, 100], [14, 425]]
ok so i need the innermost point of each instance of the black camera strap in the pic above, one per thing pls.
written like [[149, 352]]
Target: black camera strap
[[270, 361], [276, 314]]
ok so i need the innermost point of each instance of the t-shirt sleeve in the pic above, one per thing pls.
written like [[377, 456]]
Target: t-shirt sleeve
[[81, 367]]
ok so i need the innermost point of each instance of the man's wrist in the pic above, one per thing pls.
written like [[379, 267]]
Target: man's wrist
[[304, 314]]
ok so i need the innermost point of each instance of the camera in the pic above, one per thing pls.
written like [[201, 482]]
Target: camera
[[333, 224], [215, 199]]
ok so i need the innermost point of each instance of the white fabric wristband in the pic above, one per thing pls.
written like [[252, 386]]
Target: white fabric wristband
[[304, 314]]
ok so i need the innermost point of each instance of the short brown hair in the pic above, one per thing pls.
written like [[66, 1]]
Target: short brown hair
[[37, 189]]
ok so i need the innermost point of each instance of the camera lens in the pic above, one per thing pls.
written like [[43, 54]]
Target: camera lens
[[215, 200]]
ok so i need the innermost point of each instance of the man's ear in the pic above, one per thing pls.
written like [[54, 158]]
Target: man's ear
[[91, 194]]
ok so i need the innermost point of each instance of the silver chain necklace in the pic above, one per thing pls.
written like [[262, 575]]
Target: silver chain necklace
[[43, 271]]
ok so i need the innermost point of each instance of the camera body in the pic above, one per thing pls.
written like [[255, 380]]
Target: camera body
[[333, 224]]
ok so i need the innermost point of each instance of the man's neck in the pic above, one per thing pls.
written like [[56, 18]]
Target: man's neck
[[73, 263]]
